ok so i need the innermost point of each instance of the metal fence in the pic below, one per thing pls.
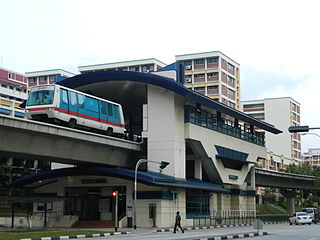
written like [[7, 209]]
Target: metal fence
[[237, 219]]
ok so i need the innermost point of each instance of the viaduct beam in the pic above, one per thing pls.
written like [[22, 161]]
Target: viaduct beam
[[28, 139], [269, 178]]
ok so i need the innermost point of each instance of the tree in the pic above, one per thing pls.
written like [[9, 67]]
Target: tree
[[5, 174]]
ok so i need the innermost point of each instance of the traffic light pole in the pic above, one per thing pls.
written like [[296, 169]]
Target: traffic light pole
[[116, 213]]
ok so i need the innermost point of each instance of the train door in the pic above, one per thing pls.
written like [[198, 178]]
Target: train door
[[103, 112], [73, 106], [64, 103]]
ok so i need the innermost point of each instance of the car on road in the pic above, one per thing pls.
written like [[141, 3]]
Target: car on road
[[313, 212], [300, 218]]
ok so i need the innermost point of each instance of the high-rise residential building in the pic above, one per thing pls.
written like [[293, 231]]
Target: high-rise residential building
[[284, 148], [312, 157], [47, 77], [142, 65], [13, 91], [214, 75]]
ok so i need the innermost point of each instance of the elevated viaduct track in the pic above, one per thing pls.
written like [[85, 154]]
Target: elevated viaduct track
[[29, 139], [269, 178]]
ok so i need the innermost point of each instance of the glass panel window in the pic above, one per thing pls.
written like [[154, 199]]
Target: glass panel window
[[116, 111], [81, 100], [110, 112], [199, 75], [42, 97], [230, 67], [32, 80], [91, 104], [103, 108], [197, 204], [73, 99], [43, 79], [53, 78], [199, 61], [213, 60]]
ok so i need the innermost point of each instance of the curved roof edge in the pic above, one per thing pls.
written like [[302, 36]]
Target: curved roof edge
[[149, 178], [167, 83]]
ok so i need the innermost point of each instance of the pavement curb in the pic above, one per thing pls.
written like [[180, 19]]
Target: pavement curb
[[208, 227], [234, 236], [77, 236], [216, 226]]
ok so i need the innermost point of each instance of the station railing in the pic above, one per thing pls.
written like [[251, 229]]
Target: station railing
[[238, 219], [210, 121]]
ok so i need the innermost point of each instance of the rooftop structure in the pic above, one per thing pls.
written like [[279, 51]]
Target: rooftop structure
[[141, 65], [47, 76], [282, 112], [214, 75]]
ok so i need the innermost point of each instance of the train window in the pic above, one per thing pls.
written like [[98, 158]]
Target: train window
[[103, 108], [91, 104], [116, 111], [73, 98], [64, 96], [81, 99], [110, 112]]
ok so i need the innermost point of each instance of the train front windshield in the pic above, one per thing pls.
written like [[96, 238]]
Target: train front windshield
[[41, 96]]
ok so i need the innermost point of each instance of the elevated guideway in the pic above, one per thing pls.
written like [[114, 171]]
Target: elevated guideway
[[29, 139], [270, 178]]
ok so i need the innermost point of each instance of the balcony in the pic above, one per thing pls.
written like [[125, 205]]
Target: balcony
[[209, 121]]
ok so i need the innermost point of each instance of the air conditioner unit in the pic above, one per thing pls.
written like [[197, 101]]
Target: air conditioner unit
[[188, 67], [188, 80]]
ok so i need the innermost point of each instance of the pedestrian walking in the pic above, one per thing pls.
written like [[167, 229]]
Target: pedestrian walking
[[177, 223], [29, 220]]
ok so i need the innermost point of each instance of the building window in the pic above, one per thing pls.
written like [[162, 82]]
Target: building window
[[187, 65], [213, 60], [10, 75], [188, 78], [147, 68], [230, 67], [199, 75], [32, 80], [231, 104], [231, 93], [43, 79], [231, 81], [53, 78], [197, 204], [199, 62], [134, 69]]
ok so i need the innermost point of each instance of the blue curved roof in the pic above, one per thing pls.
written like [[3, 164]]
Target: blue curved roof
[[149, 178], [167, 83]]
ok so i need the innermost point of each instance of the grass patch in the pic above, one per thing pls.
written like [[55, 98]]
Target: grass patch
[[265, 209], [33, 233]]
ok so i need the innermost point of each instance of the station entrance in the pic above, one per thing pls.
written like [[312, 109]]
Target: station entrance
[[94, 203]]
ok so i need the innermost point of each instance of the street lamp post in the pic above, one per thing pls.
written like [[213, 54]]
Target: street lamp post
[[162, 164], [309, 133], [296, 129]]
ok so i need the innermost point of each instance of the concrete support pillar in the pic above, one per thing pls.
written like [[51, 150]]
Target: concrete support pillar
[[253, 178], [198, 169], [290, 195]]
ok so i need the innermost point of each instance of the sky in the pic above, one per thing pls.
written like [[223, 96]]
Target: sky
[[276, 43]]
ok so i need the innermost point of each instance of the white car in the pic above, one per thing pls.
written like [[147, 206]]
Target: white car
[[300, 218]]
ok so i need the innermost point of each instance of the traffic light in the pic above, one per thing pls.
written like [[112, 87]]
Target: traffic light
[[164, 164], [114, 193], [295, 129]]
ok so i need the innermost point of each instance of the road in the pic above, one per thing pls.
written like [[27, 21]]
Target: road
[[275, 232]]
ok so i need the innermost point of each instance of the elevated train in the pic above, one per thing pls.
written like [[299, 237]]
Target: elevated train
[[55, 103]]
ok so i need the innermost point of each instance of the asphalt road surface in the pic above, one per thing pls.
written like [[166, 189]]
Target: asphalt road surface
[[275, 232]]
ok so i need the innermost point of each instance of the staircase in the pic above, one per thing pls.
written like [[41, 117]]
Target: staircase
[[93, 224]]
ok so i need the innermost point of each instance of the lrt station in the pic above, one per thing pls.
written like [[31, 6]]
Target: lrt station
[[193, 155]]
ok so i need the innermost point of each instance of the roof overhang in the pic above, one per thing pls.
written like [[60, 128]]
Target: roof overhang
[[148, 178], [166, 83]]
